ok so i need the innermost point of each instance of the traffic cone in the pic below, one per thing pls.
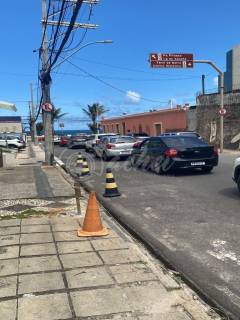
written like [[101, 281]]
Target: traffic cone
[[85, 169], [111, 189], [92, 224], [79, 160]]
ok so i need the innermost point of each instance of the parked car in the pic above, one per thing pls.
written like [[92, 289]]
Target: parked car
[[64, 141], [77, 142], [168, 153], [236, 172], [56, 139], [95, 139], [179, 133], [114, 146], [11, 141], [139, 136]]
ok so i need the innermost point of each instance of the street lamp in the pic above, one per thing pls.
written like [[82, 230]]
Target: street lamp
[[80, 48]]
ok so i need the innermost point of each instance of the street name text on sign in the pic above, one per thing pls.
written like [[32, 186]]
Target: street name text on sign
[[171, 60]]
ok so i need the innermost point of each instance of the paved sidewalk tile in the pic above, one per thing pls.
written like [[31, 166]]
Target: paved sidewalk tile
[[88, 277], [8, 309], [109, 244], [8, 267], [46, 307], [10, 222], [74, 247], [38, 249], [167, 316], [30, 221], [9, 252], [125, 273], [36, 238], [67, 236], [76, 260], [8, 286], [9, 240], [35, 228], [40, 282], [100, 302], [37, 264], [119, 256], [9, 230], [64, 221]]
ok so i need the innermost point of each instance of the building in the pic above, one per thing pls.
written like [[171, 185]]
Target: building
[[232, 74], [153, 122], [11, 124]]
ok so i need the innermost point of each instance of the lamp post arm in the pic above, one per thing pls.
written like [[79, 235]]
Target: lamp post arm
[[78, 49]]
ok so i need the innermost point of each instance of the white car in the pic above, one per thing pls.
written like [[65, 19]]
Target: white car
[[95, 139], [11, 141], [236, 172]]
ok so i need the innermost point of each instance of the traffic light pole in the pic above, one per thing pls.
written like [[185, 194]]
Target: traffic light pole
[[46, 85], [221, 74]]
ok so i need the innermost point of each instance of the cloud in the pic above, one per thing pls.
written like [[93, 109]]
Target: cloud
[[215, 81], [132, 97]]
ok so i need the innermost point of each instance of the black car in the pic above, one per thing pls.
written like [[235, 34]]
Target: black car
[[168, 153]]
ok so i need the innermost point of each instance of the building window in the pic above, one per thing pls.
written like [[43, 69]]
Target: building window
[[104, 128], [158, 128], [112, 128], [140, 129], [123, 128], [117, 128]]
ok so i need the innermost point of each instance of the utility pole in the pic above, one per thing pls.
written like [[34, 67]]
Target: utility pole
[[46, 83], [221, 74], [33, 122], [203, 84]]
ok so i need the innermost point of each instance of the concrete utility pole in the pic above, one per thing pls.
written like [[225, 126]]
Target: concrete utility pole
[[33, 122], [221, 74], [46, 83]]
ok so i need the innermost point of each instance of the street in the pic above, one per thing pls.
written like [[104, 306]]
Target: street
[[191, 220]]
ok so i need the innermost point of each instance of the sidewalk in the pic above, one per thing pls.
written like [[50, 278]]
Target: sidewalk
[[48, 273]]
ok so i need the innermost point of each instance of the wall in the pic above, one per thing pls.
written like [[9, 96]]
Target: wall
[[10, 127], [170, 120], [208, 119]]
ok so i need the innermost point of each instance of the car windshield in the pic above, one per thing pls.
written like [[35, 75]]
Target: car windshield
[[122, 140], [183, 141]]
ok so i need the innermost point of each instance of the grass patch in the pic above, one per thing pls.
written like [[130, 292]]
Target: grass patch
[[24, 214]]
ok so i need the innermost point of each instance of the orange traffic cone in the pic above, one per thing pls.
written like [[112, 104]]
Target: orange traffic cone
[[92, 225]]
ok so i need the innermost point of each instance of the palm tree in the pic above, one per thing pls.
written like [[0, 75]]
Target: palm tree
[[56, 114], [93, 112]]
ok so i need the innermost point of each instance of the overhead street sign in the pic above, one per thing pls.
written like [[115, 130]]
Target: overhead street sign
[[171, 60]]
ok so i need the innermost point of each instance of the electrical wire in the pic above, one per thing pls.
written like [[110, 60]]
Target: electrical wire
[[108, 84]]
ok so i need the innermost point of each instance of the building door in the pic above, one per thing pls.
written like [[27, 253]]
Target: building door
[[123, 128], [158, 128]]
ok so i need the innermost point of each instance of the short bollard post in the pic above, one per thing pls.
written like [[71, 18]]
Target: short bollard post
[[77, 189]]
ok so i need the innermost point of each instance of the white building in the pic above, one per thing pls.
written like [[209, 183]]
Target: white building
[[11, 124]]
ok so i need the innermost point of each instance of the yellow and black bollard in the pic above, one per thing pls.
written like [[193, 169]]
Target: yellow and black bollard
[[85, 169], [111, 189], [79, 160]]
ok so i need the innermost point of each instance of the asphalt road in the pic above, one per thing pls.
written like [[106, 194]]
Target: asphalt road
[[192, 220]]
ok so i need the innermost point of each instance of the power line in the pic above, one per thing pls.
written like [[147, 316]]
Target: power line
[[108, 84]]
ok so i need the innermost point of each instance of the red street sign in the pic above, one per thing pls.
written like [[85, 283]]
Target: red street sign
[[47, 107], [171, 64], [171, 60], [222, 112]]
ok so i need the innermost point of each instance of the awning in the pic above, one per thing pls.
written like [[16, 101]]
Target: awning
[[8, 106]]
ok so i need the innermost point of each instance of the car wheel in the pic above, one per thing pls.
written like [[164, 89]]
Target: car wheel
[[207, 169], [105, 157], [238, 183], [156, 167]]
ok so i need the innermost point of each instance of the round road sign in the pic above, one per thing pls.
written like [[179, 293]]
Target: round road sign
[[222, 112], [47, 107]]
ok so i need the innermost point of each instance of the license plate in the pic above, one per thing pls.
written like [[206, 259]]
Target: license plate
[[125, 152], [200, 163]]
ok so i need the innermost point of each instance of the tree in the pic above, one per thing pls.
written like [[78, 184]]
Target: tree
[[93, 112], [56, 114], [39, 126]]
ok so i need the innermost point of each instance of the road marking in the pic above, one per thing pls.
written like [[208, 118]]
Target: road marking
[[221, 252]]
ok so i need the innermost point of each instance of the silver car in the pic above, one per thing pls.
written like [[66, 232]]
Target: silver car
[[114, 146]]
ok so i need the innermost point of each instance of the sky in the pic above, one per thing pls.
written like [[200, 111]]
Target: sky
[[118, 75]]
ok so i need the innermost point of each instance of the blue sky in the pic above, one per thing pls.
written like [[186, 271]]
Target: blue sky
[[205, 28]]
